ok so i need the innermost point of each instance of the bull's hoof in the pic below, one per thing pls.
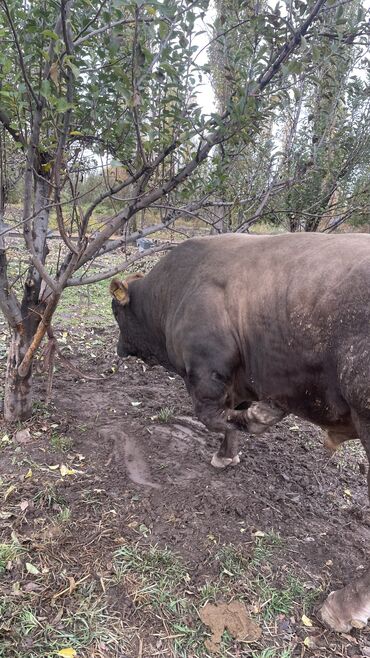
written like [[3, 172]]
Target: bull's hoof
[[220, 462], [341, 614]]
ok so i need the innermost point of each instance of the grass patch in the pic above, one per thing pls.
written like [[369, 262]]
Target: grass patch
[[87, 628], [232, 561], [61, 443], [49, 497], [9, 553], [159, 582], [265, 547], [165, 414], [275, 600], [272, 653], [169, 573]]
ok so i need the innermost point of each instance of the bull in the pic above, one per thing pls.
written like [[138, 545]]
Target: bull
[[260, 327]]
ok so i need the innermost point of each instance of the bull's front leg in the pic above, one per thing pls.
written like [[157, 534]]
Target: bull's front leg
[[348, 607], [214, 417], [228, 452], [257, 418]]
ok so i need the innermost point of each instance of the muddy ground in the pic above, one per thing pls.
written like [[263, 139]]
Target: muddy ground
[[127, 530]]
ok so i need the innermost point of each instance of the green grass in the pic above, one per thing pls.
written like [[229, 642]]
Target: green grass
[[89, 625], [169, 572], [265, 547], [48, 497], [64, 515], [93, 303], [275, 600], [272, 653], [61, 443], [165, 414], [9, 553], [232, 562]]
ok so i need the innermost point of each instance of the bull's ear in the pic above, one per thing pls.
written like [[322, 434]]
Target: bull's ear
[[119, 290]]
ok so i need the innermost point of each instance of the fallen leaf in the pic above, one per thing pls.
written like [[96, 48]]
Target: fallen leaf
[[348, 492], [64, 470], [6, 439], [259, 533], [136, 404], [72, 584], [32, 569], [308, 642], [306, 621], [67, 653], [9, 491], [23, 505], [54, 467], [32, 587], [133, 524], [28, 474], [16, 589], [23, 436], [15, 538]]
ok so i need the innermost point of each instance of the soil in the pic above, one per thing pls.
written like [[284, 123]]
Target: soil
[[138, 477]]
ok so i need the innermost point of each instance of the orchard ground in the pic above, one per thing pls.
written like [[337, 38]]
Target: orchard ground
[[116, 530]]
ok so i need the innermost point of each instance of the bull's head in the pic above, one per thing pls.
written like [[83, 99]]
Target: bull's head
[[124, 314]]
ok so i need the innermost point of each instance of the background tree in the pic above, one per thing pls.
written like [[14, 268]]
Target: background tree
[[301, 171], [118, 82]]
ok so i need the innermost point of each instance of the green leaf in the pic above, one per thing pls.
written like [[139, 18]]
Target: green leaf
[[50, 34], [45, 89], [62, 105], [75, 70]]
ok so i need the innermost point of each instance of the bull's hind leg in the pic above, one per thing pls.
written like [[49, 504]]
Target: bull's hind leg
[[350, 607]]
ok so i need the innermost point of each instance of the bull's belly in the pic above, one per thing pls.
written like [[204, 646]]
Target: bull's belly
[[317, 399]]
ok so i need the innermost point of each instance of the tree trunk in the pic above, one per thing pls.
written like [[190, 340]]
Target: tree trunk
[[18, 390]]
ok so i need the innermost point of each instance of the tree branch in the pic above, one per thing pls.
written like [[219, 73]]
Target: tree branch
[[119, 268]]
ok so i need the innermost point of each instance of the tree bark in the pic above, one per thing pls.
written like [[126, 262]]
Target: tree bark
[[18, 390]]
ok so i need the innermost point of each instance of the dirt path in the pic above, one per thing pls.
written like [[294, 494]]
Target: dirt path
[[144, 475]]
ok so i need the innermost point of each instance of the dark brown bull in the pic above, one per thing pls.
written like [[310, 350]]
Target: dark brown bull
[[260, 327]]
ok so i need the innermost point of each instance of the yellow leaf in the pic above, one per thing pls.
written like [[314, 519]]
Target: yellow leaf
[[47, 166], [64, 470], [309, 642], [54, 467], [306, 621], [67, 653], [76, 132], [54, 73], [28, 474], [9, 491], [348, 492]]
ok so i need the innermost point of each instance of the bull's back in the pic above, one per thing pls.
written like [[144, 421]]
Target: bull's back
[[289, 305]]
